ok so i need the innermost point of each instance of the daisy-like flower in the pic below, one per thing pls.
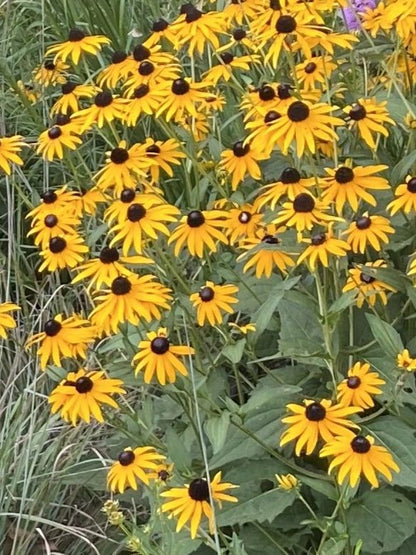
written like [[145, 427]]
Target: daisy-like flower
[[245, 329], [367, 288], [160, 30], [303, 212], [61, 338], [287, 482], [144, 100], [368, 230], [10, 148], [7, 322], [107, 267], [198, 229], [133, 464], [142, 221], [380, 18], [149, 73], [228, 63], [322, 245], [85, 201], [314, 71], [122, 168], [197, 126], [259, 101], [241, 11], [130, 299], [50, 73], [31, 92], [241, 160], [182, 99], [163, 154], [77, 43], [51, 142], [157, 356], [313, 421], [369, 117], [192, 501], [304, 123], [119, 69], [290, 184], [405, 197], [53, 202], [213, 103], [357, 389], [405, 361], [213, 299], [106, 108], [264, 253], [347, 185], [63, 252], [71, 93], [357, 455], [242, 222], [240, 37], [117, 211], [51, 226], [195, 29], [78, 397], [262, 137]]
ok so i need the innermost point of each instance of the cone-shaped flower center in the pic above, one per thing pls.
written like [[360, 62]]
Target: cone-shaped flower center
[[285, 24], [160, 25], [54, 132], [126, 457], [52, 328], [195, 218], [193, 15], [363, 222], [227, 57], [303, 203], [146, 68], [84, 384], [108, 255], [283, 91], [266, 92], [180, 87], [310, 68], [68, 87], [136, 212], [275, 5], [244, 217], [50, 220], [49, 197], [62, 119], [365, 278], [206, 294], [121, 286], [315, 412], [344, 175], [141, 53], [298, 111], [290, 175], [153, 149], [119, 155], [353, 382], [411, 185], [57, 245], [103, 99], [118, 57], [240, 149], [318, 239], [357, 112], [127, 195], [239, 34], [160, 345], [272, 116], [198, 490], [50, 66], [141, 91], [270, 240], [76, 35], [360, 444]]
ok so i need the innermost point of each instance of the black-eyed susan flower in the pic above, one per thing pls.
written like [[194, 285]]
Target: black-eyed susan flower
[[192, 501], [405, 197], [314, 71], [241, 160], [347, 185], [198, 229], [50, 73], [61, 252], [242, 222], [107, 267], [78, 42], [7, 322], [141, 222], [10, 148], [51, 142], [52, 202], [303, 212], [182, 97], [369, 117], [106, 108], [379, 18], [367, 288], [291, 184], [321, 246], [132, 465], [405, 361], [195, 29], [213, 103], [241, 11], [53, 225], [264, 252], [144, 100], [29, 90], [62, 337], [240, 37], [158, 357], [117, 211], [212, 300], [80, 394], [315, 420], [149, 73], [228, 63], [197, 126], [259, 101], [161, 29], [304, 123], [85, 201], [120, 68], [359, 386], [154, 54], [130, 299], [287, 482], [164, 155], [243, 329], [71, 94], [357, 455], [368, 230], [262, 136]]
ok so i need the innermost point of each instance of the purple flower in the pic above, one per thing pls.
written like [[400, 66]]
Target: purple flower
[[352, 14]]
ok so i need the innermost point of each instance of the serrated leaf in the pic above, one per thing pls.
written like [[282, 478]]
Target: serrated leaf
[[385, 335]]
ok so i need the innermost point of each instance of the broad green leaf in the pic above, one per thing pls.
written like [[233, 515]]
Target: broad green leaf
[[344, 301], [334, 546], [216, 429], [177, 451], [234, 351], [401, 169], [385, 335], [382, 519], [389, 275]]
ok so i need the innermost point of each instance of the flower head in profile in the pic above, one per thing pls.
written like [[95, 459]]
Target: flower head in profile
[[368, 231], [7, 322], [132, 465], [315, 420], [105, 109], [72, 92], [405, 197], [367, 288], [287, 482], [359, 386], [79, 395], [322, 246], [357, 455], [370, 118], [240, 161], [50, 73], [405, 361], [157, 356], [243, 329], [78, 42], [192, 501], [212, 300], [10, 148]]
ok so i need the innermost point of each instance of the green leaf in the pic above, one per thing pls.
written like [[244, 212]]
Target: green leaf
[[382, 519], [401, 169], [385, 335], [334, 546], [234, 351], [216, 429], [388, 275], [180, 456], [263, 507]]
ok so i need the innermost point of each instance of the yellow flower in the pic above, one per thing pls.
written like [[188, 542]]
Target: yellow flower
[[50, 73], [77, 43], [6, 320], [71, 93], [229, 62], [368, 116], [247, 328], [181, 99], [290, 184], [106, 108], [211, 300], [63, 252], [304, 212], [368, 230], [357, 389], [51, 142], [242, 222], [242, 160], [321, 245], [133, 464], [119, 69], [314, 71], [405, 197], [367, 288], [143, 100], [10, 148], [163, 155], [405, 361], [53, 225], [287, 481], [195, 29]]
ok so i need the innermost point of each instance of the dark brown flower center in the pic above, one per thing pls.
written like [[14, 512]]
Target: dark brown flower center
[[108, 255], [141, 53], [365, 278], [244, 217], [318, 239], [52, 328], [315, 412], [353, 382], [119, 155], [206, 294], [160, 345], [121, 286], [363, 222], [146, 68], [360, 444], [160, 25], [303, 203], [127, 195], [50, 220], [227, 57], [118, 57], [57, 245], [193, 14], [239, 34], [68, 87], [270, 240], [271, 116], [163, 475], [141, 91], [54, 132], [285, 24], [310, 68], [195, 218], [49, 197], [275, 5], [240, 149], [298, 111], [103, 99], [357, 112], [62, 119], [153, 149], [84, 384], [266, 93], [198, 490], [283, 91], [344, 175], [126, 457], [411, 185], [75, 35], [136, 212], [180, 87], [50, 66], [290, 176]]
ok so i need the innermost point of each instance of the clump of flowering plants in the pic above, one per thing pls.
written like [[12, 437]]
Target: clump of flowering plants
[[208, 271]]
